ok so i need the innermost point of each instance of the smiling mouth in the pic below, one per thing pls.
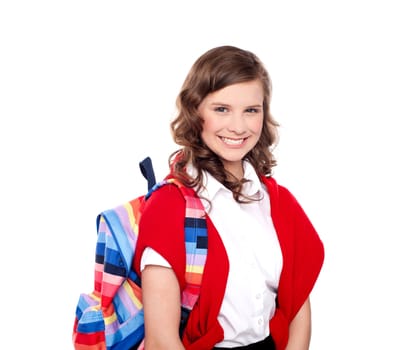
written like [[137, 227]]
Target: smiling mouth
[[233, 142]]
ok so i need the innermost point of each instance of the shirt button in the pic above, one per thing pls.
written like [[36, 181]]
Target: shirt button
[[258, 296], [260, 321]]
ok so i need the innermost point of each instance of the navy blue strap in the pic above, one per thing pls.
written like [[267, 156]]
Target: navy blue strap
[[148, 171]]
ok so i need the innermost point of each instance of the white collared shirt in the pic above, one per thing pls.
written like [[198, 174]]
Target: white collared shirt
[[254, 255]]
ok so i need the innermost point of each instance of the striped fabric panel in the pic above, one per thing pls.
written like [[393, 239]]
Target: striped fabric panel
[[107, 313], [123, 244], [121, 234], [196, 249], [121, 304], [127, 219]]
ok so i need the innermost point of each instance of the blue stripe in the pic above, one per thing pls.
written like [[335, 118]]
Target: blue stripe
[[120, 237], [91, 327], [134, 277], [101, 236], [195, 222], [134, 329], [191, 233], [130, 342], [192, 249], [115, 270], [91, 321], [202, 242], [114, 257], [100, 248]]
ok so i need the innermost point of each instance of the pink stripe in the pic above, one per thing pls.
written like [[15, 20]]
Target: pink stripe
[[188, 300], [99, 267], [98, 276], [193, 202], [109, 290], [103, 227], [194, 213], [112, 279]]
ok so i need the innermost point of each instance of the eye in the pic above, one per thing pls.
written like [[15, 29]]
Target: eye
[[252, 110], [221, 109]]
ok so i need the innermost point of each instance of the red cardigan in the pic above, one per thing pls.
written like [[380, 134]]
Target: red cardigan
[[162, 228]]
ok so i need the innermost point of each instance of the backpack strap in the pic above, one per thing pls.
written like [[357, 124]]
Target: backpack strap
[[195, 229], [147, 171]]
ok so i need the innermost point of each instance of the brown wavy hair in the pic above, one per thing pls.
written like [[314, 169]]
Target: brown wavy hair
[[214, 70]]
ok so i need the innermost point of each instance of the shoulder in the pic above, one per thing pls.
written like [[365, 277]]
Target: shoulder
[[292, 223], [167, 195], [284, 204], [278, 192], [162, 211], [161, 227]]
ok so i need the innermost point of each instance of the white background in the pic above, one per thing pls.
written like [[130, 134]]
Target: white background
[[87, 90]]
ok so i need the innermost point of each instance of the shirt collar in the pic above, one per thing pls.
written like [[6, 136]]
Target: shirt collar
[[211, 186], [254, 186]]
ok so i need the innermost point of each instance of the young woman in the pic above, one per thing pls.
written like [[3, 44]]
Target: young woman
[[264, 255]]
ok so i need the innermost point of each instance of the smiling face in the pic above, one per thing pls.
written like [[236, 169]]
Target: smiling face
[[232, 122]]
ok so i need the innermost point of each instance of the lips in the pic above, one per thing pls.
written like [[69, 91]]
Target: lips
[[232, 142]]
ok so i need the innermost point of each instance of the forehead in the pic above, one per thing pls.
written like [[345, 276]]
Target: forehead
[[246, 93]]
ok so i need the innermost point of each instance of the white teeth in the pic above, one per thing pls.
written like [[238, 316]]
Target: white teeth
[[232, 141]]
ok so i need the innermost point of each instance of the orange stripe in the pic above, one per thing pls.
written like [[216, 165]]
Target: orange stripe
[[193, 278]]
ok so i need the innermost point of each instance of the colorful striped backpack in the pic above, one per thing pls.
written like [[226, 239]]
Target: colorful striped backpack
[[112, 316]]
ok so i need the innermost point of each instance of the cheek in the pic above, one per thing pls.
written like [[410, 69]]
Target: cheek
[[210, 125], [256, 126], [207, 129]]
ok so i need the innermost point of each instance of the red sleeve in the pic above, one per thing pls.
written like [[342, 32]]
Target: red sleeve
[[161, 227], [303, 255], [308, 251]]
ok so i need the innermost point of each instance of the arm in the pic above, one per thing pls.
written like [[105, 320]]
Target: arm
[[300, 329], [162, 305]]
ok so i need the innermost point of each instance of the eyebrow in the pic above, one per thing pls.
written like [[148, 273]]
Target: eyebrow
[[227, 105], [219, 104]]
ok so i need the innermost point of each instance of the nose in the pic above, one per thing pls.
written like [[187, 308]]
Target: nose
[[237, 123]]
